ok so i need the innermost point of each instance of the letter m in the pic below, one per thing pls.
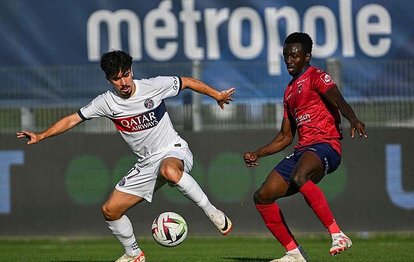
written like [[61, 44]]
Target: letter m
[[113, 22]]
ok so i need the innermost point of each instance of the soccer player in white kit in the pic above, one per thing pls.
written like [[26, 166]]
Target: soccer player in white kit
[[137, 109]]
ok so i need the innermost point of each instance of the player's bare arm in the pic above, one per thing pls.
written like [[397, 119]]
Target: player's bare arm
[[222, 97], [283, 139], [334, 96], [59, 127]]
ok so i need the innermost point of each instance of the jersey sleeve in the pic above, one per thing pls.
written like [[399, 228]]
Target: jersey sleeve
[[94, 109], [323, 82], [168, 86], [285, 110]]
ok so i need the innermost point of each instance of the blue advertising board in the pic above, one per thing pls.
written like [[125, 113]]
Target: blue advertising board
[[77, 32]]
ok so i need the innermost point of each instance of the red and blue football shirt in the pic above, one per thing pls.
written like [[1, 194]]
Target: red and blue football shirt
[[316, 120]]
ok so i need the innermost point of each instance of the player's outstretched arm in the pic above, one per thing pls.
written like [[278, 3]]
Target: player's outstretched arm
[[334, 96], [59, 127], [222, 97], [283, 139]]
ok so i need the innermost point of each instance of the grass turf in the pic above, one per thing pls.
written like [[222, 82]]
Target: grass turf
[[384, 247]]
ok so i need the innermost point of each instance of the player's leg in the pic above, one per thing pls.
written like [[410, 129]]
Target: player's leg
[[309, 170], [274, 187], [176, 171], [277, 185], [120, 225]]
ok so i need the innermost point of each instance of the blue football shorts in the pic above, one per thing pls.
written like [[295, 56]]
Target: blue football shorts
[[329, 157]]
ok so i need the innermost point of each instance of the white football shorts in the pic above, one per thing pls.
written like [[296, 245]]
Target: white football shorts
[[144, 181]]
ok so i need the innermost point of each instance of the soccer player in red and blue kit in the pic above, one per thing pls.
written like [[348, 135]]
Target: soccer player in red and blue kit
[[312, 108]]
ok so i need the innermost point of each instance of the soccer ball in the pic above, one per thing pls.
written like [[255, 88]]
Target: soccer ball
[[169, 229]]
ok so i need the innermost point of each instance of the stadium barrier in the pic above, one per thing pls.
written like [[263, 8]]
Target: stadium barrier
[[57, 187]]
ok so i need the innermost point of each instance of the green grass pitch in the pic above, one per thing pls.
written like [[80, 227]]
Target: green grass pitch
[[380, 247]]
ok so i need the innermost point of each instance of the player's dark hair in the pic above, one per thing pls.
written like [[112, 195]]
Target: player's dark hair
[[302, 38], [115, 61]]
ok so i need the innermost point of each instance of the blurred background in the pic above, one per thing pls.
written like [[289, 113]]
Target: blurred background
[[49, 67]]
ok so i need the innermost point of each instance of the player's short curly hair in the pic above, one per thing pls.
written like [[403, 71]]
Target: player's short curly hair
[[303, 38], [115, 61]]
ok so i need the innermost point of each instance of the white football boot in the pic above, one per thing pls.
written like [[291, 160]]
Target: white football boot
[[125, 258], [221, 221], [294, 255], [340, 243]]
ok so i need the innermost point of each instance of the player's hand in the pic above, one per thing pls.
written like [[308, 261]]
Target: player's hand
[[358, 127], [250, 159], [33, 137], [225, 97]]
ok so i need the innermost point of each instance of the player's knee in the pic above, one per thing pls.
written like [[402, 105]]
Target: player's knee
[[261, 198], [109, 214], [170, 173], [298, 180], [105, 212], [256, 198]]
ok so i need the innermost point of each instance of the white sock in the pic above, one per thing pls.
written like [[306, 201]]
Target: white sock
[[122, 229], [190, 189]]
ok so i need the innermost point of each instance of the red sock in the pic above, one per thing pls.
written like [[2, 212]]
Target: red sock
[[275, 222], [317, 201]]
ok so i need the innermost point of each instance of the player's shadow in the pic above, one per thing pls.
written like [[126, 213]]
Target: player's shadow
[[248, 259]]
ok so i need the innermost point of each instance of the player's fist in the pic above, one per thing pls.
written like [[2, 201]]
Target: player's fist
[[250, 159]]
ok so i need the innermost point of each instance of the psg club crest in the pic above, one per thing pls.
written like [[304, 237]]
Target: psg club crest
[[122, 182], [149, 103]]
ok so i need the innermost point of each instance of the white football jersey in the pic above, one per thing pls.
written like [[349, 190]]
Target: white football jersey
[[141, 119]]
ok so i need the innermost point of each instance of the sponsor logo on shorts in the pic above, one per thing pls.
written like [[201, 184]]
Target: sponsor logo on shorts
[[289, 156], [122, 182]]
